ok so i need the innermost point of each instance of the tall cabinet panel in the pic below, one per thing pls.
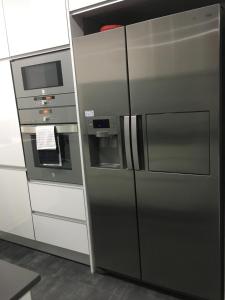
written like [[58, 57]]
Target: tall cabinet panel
[[11, 151], [174, 91], [15, 211], [34, 25], [4, 51]]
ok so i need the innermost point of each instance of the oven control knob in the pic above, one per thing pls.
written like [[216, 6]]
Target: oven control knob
[[46, 119], [44, 102]]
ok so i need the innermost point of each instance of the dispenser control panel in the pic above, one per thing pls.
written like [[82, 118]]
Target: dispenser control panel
[[104, 141], [102, 124]]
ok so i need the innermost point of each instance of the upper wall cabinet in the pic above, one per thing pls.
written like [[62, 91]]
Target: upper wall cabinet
[[77, 4], [11, 150], [4, 51], [34, 25]]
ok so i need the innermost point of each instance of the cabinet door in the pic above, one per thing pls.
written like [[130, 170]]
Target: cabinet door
[[15, 211], [4, 51], [11, 150], [77, 4], [34, 25]]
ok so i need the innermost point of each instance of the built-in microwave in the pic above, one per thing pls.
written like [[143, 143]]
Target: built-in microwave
[[44, 80]]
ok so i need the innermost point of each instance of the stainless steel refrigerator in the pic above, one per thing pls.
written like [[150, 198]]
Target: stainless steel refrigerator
[[149, 100]]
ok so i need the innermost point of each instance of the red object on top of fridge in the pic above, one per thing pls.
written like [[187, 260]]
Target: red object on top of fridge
[[109, 27]]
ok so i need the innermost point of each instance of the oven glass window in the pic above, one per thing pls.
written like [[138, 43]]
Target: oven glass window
[[59, 158], [42, 75]]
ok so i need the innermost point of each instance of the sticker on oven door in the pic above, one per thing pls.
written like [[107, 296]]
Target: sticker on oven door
[[89, 113]]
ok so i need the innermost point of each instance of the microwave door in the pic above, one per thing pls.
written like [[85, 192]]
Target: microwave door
[[45, 74]]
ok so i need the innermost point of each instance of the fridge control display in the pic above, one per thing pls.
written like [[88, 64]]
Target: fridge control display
[[103, 123]]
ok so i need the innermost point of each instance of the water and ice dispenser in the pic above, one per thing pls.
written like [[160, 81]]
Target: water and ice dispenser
[[104, 142]]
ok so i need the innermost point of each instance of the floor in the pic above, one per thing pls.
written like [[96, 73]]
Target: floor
[[66, 280]]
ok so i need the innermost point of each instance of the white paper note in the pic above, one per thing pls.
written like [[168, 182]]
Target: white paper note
[[45, 137]]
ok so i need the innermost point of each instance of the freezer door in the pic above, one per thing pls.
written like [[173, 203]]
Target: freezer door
[[174, 88], [100, 63]]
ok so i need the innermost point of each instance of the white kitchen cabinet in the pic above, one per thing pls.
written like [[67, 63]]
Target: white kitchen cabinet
[[60, 200], [11, 150], [34, 25], [15, 211], [4, 51], [78, 4], [61, 233]]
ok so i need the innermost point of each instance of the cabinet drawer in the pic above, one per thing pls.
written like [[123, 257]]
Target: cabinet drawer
[[65, 201], [61, 233]]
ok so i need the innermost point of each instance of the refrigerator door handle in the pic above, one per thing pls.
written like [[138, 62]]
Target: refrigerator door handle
[[134, 139], [127, 142]]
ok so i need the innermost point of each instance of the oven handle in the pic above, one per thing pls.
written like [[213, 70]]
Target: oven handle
[[67, 128]]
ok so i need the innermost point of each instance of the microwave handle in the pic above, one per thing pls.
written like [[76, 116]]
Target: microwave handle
[[67, 128]]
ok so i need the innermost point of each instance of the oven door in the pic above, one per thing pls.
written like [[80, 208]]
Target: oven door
[[45, 74], [60, 165]]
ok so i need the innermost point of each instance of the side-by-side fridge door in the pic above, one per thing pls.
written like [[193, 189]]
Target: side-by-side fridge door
[[174, 74], [101, 72]]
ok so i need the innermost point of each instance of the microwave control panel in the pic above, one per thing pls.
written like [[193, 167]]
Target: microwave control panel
[[56, 100], [43, 100]]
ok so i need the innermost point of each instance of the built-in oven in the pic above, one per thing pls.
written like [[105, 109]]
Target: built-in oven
[[44, 80], [61, 164]]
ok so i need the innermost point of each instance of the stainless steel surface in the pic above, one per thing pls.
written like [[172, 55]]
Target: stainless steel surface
[[174, 72], [100, 62], [179, 142], [101, 73], [178, 59], [68, 128], [135, 142], [112, 200], [127, 142], [174, 68]]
